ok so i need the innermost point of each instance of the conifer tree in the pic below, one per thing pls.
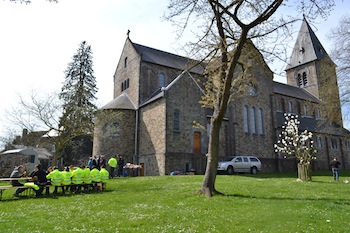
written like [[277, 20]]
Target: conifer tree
[[78, 94]]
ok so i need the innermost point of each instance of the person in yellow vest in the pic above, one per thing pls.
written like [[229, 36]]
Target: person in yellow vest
[[112, 162], [56, 178], [95, 177], [77, 179], [104, 176], [86, 178], [67, 179]]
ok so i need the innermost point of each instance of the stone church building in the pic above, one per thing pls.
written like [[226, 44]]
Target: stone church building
[[154, 116]]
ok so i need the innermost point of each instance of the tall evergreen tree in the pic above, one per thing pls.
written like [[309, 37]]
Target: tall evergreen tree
[[77, 94]]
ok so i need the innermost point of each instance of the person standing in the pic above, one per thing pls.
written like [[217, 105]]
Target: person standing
[[90, 162], [120, 165], [102, 162], [335, 168], [112, 162]]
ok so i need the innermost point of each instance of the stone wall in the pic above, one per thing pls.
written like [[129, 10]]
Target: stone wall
[[115, 134], [185, 162], [150, 79], [128, 68], [183, 97], [256, 143], [151, 141]]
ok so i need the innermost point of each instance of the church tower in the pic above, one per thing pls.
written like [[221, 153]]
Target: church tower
[[311, 69]]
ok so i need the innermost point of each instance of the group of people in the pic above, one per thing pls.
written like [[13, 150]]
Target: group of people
[[116, 162], [71, 178]]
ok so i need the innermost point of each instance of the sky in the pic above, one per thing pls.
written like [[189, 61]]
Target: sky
[[38, 40]]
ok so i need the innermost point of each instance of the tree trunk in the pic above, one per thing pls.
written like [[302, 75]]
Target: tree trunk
[[208, 185], [304, 172]]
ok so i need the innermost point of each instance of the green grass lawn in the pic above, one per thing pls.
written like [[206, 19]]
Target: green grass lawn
[[260, 203]]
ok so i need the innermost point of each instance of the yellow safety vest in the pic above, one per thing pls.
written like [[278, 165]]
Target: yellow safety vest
[[95, 175], [104, 175], [56, 177], [77, 176]]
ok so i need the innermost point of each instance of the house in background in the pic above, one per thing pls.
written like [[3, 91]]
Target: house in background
[[28, 149], [151, 120], [12, 158]]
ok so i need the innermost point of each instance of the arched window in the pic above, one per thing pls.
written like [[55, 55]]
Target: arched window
[[252, 124], [334, 144], [305, 109], [291, 107], [300, 81], [127, 83], [245, 119], [161, 80], [260, 122], [283, 104], [304, 78], [122, 87], [176, 122], [125, 62], [319, 141], [317, 113]]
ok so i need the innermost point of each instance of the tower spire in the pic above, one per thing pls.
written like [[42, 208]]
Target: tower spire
[[307, 47]]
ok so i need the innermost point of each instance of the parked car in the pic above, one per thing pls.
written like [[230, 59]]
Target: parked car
[[240, 164]]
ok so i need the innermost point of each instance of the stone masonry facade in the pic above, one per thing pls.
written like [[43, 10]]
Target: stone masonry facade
[[156, 120]]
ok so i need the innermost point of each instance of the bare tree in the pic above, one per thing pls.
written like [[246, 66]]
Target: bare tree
[[36, 111], [226, 26], [340, 53]]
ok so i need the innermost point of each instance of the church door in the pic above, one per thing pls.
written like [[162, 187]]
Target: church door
[[197, 143]]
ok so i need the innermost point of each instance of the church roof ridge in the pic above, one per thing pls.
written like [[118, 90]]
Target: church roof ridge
[[293, 91], [122, 101], [168, 59]]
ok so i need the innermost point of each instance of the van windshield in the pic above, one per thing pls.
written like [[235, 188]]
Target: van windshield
[[229, 158]]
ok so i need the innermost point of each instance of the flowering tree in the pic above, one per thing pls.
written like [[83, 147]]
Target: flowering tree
[[299, 144]]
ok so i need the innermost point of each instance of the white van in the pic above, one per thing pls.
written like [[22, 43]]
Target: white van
[[240, 164]]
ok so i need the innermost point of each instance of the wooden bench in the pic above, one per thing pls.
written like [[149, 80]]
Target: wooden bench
[[3, 188], [99, 185]]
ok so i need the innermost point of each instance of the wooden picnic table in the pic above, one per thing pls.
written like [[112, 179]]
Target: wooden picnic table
[[3, 188], [15, 178]]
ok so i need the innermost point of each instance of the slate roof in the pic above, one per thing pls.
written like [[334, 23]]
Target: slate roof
[[24, 151], [307, 47], [121, 102], [292, 91], [159, 57], [43, 153], [313, 125]]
